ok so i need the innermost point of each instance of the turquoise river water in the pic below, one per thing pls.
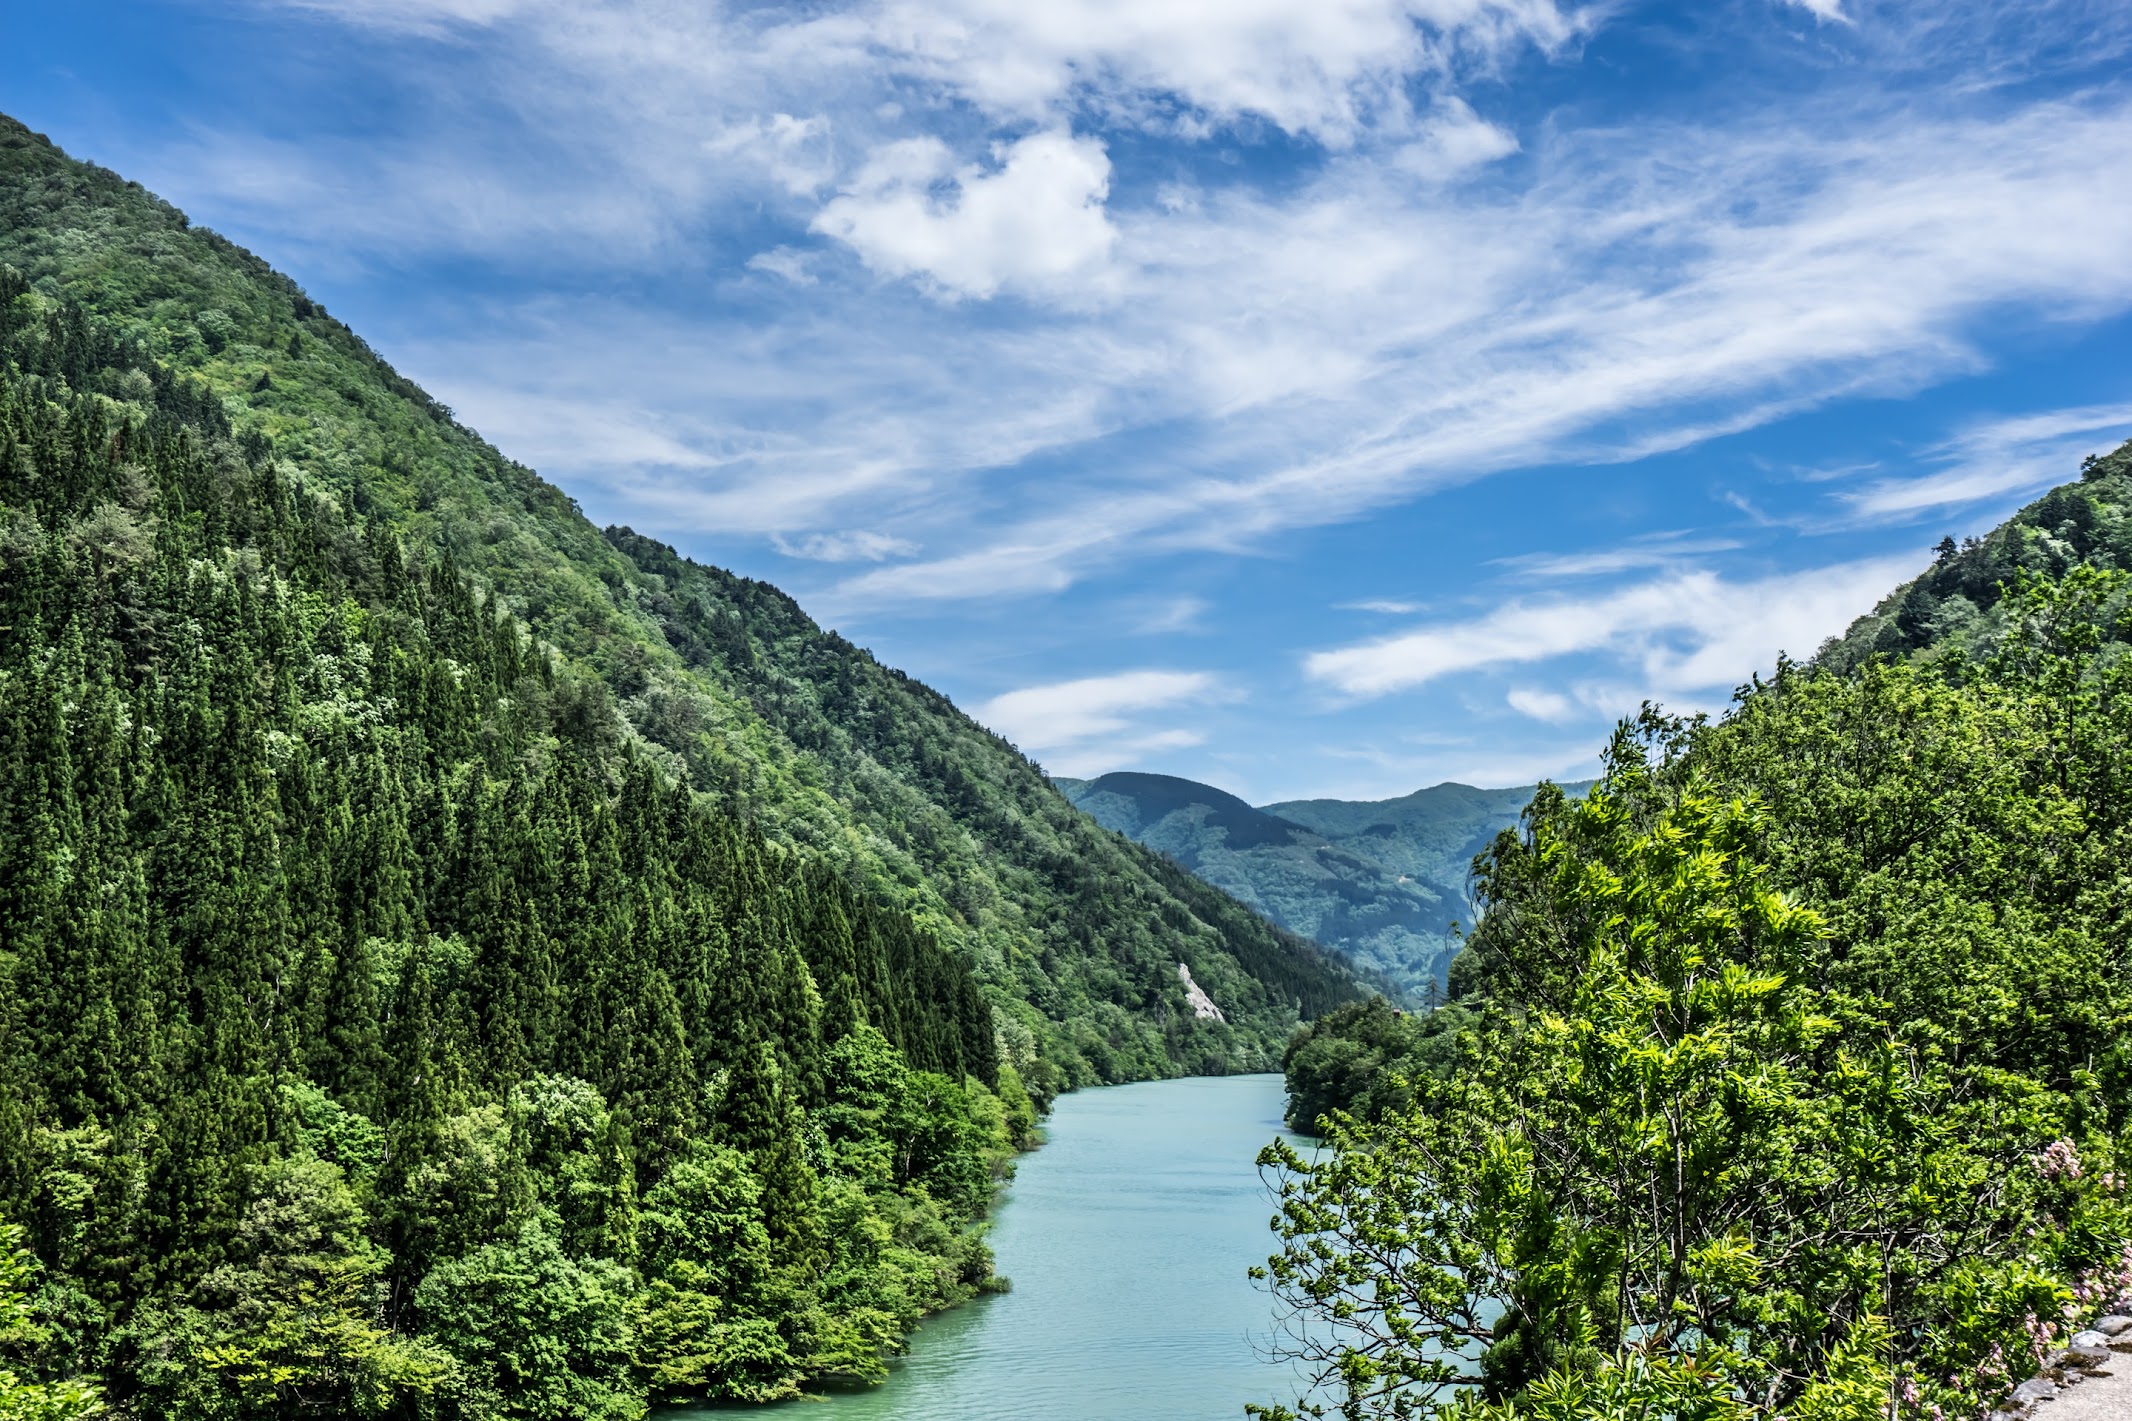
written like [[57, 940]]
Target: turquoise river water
[[1127, 1236]]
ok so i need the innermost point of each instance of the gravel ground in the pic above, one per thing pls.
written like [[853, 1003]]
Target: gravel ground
[[2105, 1396]]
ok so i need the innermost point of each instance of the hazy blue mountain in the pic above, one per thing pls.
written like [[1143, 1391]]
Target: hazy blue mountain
[[1381, 882], [1431, 834]]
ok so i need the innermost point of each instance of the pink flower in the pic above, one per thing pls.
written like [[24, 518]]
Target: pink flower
[[2039, 1336], [2060, 1161]]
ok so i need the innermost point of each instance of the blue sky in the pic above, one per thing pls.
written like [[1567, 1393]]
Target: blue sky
[[1308, 396]]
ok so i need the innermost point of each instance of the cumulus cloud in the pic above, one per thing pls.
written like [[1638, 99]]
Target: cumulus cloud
[[1690, 632], [1097, 723], [1036, 220]]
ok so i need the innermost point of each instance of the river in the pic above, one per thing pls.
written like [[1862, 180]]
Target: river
[[1127, 1236]]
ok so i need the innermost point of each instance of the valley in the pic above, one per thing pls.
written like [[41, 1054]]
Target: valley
[[743, 920], [1383, 884]]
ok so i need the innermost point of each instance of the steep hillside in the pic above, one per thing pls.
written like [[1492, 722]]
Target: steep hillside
[[720, 682], [374, 1040], [1382, 883], [1957, 605]]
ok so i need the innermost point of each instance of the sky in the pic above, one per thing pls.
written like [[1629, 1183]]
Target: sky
[[1312, 397]]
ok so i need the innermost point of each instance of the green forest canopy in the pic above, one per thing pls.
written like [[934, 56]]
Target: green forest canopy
[[1789, 1071]]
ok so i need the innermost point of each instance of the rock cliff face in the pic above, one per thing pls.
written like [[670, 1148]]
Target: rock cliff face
[[1202, 1005]]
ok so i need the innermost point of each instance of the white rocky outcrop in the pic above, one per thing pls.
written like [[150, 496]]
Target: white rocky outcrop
[[1202, 1005]]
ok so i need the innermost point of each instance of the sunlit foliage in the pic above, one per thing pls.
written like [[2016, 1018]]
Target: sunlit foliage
[[1791, 1068]]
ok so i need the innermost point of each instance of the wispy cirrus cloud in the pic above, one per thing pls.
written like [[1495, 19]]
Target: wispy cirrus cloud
[[1204, 368], [1654, 550], [1689, 632], [854, 545], [924, 306], [1100, 723], [1327, 70], [1568, 311], [1999, 457]]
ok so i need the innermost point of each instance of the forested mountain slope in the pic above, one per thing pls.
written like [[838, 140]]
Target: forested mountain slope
[[719, 679], [456, 964], [1789, 1070], [1383, 883], [1956, 606], [1309, 885]]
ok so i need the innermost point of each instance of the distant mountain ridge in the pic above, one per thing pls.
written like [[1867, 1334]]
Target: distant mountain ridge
[[1381, 882], [1430, 834]]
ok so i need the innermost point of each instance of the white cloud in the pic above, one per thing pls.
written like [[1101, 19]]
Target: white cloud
[[1455, 140], [861, 545], [1660, 551], [1384, 606], [1689, 632], [1324, 68], [1320, 347], [794, 152], [1169, 614], [1094, 724], [1343, 350], [2000, 457], [1550, 706], [1830, 11], [430, 18], [788, 262], [1035, 221]]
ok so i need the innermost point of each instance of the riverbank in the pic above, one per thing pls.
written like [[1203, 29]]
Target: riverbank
[[1127, 1236]]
